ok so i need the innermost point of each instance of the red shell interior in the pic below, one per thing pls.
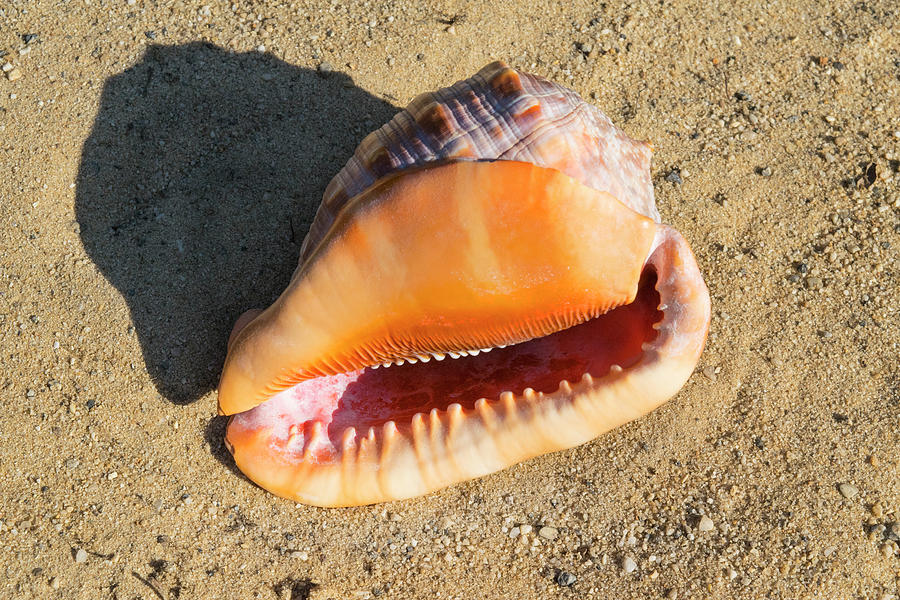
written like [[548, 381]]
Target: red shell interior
[[371, 397]]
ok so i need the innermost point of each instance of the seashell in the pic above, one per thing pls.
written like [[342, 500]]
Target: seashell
[[497, 248]]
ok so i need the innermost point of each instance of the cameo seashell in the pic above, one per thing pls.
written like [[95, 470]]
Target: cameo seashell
[[486, 280]]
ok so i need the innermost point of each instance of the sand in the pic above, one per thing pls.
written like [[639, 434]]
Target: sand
[[161, 161]]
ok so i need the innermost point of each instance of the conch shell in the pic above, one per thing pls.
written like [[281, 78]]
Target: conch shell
[[497, 245]]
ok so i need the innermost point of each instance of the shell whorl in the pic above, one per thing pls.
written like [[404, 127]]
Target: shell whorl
[[499, 113]]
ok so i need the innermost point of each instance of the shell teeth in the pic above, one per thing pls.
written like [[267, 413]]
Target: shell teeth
[[508, 402], [454, 415], [389, 432], [615, 369], [348, 439], [434, 355]]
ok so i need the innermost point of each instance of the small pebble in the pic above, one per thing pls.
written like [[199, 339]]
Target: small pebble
[[300, 555], [705, 524], [565, 579], [525, 529], [674, 176], [81, 556], [324, 68], [766, 171], [514, 532], [54, 583], [628, 564], [876, 531], [847, 491], [548, 533], [14, 74], [814, 283]]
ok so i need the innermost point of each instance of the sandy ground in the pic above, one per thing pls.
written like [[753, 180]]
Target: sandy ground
[[160, 162]]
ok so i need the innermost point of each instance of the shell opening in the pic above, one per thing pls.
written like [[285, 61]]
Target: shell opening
[[313, 419]]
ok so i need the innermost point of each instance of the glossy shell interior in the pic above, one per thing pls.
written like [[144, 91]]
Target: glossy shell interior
[[526, 305]]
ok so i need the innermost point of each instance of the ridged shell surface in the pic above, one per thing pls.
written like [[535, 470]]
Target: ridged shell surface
[[499, 113]]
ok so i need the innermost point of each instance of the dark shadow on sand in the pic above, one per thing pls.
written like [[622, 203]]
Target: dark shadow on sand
[[197, 183]]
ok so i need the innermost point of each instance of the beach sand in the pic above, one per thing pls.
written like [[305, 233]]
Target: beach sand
[[160, 163]]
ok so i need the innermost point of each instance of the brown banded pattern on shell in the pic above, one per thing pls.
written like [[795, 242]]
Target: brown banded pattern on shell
[[499, 113]]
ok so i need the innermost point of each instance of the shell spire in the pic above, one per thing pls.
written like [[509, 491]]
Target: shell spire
[[504, 114]]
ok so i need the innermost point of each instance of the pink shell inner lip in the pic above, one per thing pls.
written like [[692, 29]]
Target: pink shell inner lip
[[368, 398]]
